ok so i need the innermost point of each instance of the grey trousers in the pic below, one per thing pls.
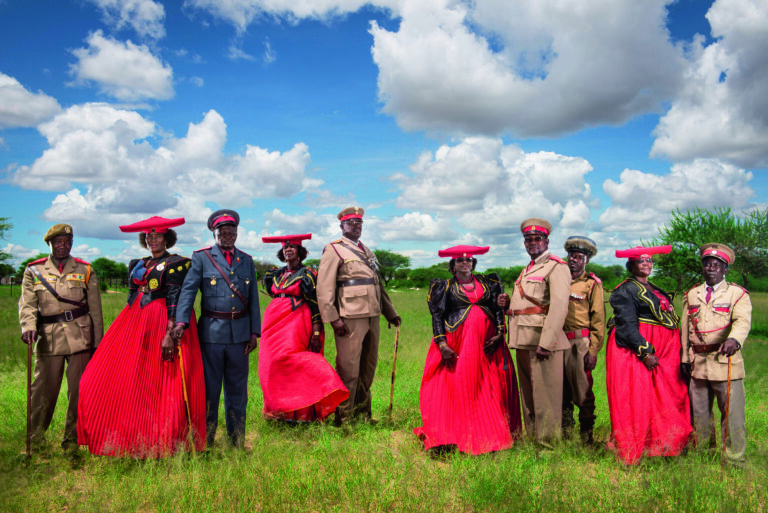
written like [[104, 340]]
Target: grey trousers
[[541, 387], [703, 393]]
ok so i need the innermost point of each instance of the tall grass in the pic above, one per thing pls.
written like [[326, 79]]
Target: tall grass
[[372, 468]]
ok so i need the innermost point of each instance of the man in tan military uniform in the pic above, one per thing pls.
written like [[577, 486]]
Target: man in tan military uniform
[[539, 305], [351, 297], [69, 327], [585, 328], [717, 316]]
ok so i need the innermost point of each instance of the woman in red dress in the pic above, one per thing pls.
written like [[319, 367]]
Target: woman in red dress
[[468, 396], [143, 394], [647, 397], [297, 382]]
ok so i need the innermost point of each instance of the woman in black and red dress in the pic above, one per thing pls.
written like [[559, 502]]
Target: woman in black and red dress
[[297, 382], [468, 398], [143, 394], [647, 397]]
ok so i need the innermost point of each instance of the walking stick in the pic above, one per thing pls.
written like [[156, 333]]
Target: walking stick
[[727, 414], [394, 364], [29, 401], [190, 433]]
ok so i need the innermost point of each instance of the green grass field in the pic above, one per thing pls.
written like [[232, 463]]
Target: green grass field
[[373, 468]]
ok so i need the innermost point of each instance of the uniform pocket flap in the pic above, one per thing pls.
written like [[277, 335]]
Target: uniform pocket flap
[[355, 291]]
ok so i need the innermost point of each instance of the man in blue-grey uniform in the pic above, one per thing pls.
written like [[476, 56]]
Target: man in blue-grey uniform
[[229, 324]]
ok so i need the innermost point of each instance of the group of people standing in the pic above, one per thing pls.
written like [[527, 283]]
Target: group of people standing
[[150, 386]]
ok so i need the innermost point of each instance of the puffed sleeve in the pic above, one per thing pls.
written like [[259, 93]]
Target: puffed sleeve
[[308, 286], [269, 279], [626, 322], [436, 300], [496, 288], [175, 272], [133, 288]]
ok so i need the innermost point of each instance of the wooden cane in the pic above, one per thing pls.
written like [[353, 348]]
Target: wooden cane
[[29, 401], [190, 433], [394, 367], [727, 415]]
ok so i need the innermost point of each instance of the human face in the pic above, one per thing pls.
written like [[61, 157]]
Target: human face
[[156, 243], [61, 245], [463, 266], [642, 268], [226, 236], [352, 229], [291, 254], [577, 262], [535, 244], [713, 270]]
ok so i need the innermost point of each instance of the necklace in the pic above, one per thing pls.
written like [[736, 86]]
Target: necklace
[[286, 276], [464, 283]]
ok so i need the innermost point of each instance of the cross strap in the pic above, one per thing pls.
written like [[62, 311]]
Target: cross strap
[[53, 291], [227, 280]]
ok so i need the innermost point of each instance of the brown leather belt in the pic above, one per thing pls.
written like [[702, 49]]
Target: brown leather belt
[[69, 315], [283, 295], [531, 310], [225, 315], [705, 348], [357, 281], [577, 334]]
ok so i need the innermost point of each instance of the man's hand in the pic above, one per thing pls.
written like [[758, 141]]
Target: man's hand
[[178, 331], [651, 361], [590, 362], [730, 347], [448, 355], [396, 321], [252, 344], [314, 340], [168, 348], [686, 369], [503, 300], [492, 344], [339, 328], [29, 337], [543, 354]]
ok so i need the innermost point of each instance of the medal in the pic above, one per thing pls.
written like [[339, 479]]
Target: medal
[[161, 266], [247, 282], [153, 284], [213, 281]]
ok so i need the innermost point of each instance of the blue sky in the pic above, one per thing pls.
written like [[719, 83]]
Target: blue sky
[[449, 122]]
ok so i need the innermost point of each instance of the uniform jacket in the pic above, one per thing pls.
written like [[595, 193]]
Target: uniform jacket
[[586, 310], [727, 315], [307, 279], [216, 296], [78, 282], [449, 305], [634, 302], [163, 280], [342, 261], [547, 281]]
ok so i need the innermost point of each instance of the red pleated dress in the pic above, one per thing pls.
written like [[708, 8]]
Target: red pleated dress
[[298, 385], [650, 413], [473, 405], [131, 402]]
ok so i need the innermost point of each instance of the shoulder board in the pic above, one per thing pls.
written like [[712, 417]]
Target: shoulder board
[[337, 241], [739, 287], [81, 261], [594, 277], [556, 259], [38, 261], [244, 253], [203, 249], [691, 289]]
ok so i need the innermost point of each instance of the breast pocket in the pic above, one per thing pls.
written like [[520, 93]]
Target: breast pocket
[[212, 285], [535, 287]]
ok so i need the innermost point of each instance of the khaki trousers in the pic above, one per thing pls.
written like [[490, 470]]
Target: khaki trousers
[[541, 385], [703, 393], [577, 386], [356, 357], [49, 371]]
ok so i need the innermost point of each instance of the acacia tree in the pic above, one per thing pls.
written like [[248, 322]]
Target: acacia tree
[[5, 225], [389, 262], [689, 230]]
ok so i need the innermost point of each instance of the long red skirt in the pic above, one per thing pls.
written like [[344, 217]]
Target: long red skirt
[[474, 405], [297, 384], [649, 410], [132, 402]]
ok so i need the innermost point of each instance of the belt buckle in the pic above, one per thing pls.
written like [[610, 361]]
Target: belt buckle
[[233, 316], [68, 316]]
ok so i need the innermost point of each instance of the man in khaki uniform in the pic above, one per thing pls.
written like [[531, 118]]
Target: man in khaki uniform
[[69, 328], [585, 328], [539, 305], [717, 316], [351, 297]]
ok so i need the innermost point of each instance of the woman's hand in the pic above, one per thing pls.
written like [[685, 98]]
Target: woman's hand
[[168, 348], [449, 356], [314, 340], [651, 361], [503, 300], [492, 344]]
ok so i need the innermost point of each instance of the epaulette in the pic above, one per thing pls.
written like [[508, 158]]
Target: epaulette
[[203, 249], [594, 277], [556, 259], [689, 290], [739, 286], [337, 241], [38, 261], [80, 261]]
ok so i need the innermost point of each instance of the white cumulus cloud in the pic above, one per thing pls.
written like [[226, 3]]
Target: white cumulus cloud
[[146, 17], [20, 107]]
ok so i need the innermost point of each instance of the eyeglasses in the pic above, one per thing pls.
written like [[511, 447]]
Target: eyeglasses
[[354, 221], [534, 238], [644, 260], [463, 260]]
